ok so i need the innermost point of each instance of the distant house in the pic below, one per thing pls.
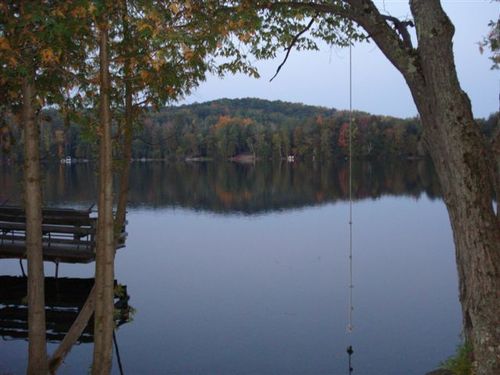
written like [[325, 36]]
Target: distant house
[[66, 160]]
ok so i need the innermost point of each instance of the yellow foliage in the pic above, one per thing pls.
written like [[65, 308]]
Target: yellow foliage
[[79, 12], [187, 52], [245, 37], [227, 120], [142, 25], [157, 64], [92, 8], [58, 12], [223, 121], [144, 75], [4, 43], [170, 90], [12, 61], [48, 56], [154, 16], [174, 7]]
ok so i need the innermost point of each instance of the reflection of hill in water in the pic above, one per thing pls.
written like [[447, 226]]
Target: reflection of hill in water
[[236, 188]]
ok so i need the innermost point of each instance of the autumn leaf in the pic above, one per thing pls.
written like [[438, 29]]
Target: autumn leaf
[[246, 37], [170, 90], [79, 12], [4, 44], [174, 7], [48, 56], [187, 52], [144, 75], [12, 61]]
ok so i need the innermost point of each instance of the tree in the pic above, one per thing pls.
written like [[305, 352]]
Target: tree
[[152, 52], [164, 50], [105, 253], [465, 166], [36, 50]]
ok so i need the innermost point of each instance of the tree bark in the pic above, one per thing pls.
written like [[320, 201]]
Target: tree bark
[[104, 324], [466, 170], [37, 350]]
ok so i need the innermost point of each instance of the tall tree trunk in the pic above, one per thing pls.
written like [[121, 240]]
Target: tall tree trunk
[[121, 210], [104, 324], [463, 162], [37, 358]]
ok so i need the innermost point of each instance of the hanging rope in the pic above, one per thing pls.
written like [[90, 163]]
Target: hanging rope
[[118, 358], [350, 326]]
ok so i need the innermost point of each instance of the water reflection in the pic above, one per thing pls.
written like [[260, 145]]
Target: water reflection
[[64, 299], [234, 188], [268, 293], [350, 352]]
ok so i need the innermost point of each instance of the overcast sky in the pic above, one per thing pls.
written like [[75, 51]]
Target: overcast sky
[[321, 78]]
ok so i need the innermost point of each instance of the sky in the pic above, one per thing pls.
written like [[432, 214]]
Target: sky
[[322, 77]]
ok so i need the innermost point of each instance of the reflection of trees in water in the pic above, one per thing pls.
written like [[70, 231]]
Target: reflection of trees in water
[[245, 188], [264, 187]]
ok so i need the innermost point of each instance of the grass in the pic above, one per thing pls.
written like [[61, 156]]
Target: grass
[[461, 362]]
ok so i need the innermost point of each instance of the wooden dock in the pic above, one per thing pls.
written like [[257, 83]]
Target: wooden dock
[[68, 235]]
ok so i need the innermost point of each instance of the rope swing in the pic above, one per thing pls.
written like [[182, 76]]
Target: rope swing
[[350, 327], [351, 308]]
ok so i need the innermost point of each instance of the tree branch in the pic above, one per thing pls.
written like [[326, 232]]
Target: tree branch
[[401, 54], [395, 43], [289, 48], [402, 28]]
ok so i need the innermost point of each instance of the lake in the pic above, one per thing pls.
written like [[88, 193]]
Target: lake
[[244, 269]]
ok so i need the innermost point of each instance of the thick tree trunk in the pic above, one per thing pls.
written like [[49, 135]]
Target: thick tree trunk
[[465, 169], [104, 324], [37, 358]]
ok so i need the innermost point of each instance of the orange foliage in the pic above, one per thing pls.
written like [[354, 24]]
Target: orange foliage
[[320, 120], [227, 120]]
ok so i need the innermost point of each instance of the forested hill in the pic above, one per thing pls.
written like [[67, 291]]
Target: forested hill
[[232, 128], [264, 111]]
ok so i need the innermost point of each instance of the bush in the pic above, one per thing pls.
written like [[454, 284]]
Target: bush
[[461, 362]]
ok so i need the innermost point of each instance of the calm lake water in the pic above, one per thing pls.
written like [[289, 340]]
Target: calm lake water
[[243, 269]]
